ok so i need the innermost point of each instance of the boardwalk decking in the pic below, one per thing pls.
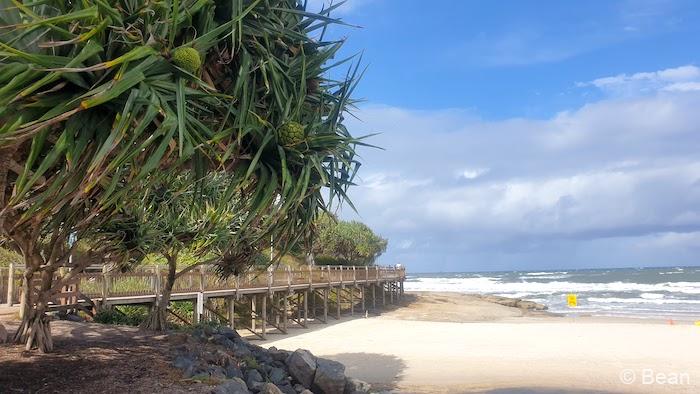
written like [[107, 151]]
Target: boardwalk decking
[[246, 296]]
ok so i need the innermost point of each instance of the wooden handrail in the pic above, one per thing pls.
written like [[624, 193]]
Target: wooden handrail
[[148, 281]]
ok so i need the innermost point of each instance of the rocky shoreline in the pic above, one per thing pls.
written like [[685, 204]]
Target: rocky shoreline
[[219, 357]]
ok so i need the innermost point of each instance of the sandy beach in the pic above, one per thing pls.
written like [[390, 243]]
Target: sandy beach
[[442, 342]]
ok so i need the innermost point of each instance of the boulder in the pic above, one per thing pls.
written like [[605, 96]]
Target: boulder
[[302, 366], [307, 391], [229, 333], [356, 386], [233, 386], [286, 387], [233, 371], [183, 362], [277, 375], [269, 388], [253, 379], [329, 377], [3, 334], [217, 372], [299, 388], [530, 305], [241, 351]]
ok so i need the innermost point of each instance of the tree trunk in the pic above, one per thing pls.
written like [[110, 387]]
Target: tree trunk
[[157, 318], [34, 330]]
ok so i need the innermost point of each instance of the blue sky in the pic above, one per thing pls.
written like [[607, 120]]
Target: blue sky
[[529, 134]]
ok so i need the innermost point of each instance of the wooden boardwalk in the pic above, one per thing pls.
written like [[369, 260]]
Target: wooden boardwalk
[[256, 300]]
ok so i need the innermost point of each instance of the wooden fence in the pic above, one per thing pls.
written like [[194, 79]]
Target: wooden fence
[[147, 282]]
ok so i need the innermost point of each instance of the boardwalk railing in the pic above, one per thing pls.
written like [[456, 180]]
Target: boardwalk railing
[[147, 282]]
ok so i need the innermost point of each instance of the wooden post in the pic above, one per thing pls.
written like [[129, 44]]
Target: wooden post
[[306, 307], [383, 295], [276, 308], [352, 300], [198, 307], [391, 292], [231, 312], [401, 289], [362, 294], [10, 283], [313, 303], [325, 305], [337, 302], [253, 315], [264, 316], [299, 307], [374, 296], [285, 311]]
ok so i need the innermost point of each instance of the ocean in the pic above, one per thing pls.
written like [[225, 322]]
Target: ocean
[[659, 293]]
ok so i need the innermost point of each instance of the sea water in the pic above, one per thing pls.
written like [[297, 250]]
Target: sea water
[[660, 293]]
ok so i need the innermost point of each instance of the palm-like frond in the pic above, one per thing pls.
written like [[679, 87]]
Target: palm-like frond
[[92, 106]]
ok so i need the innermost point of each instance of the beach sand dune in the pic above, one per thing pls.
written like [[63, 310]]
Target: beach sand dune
[[458, 343]]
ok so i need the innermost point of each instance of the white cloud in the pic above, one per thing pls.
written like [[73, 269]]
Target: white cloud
[[683, 78], [471, 173], [616, 169]]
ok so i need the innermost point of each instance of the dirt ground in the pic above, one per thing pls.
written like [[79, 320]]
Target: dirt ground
[[92, 358]]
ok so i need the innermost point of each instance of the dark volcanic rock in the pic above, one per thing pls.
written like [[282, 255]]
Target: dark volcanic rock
[[302, 366], [269, 388], [330, 376], [233, 386]]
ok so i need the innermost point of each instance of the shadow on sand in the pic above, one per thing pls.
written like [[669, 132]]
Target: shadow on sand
[[381, 370]]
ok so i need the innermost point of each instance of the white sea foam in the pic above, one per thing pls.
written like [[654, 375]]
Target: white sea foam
[[493, 285], [609, 300], [553, 273]]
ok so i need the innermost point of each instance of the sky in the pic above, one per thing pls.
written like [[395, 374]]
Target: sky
[[528, 135]]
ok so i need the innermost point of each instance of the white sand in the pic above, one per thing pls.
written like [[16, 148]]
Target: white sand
[[544, 352]]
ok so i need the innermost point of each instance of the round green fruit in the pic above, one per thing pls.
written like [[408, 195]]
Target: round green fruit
[[188, 59], [290, 133]]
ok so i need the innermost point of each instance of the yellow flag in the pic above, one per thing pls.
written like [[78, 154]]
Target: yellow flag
[[571, 300]]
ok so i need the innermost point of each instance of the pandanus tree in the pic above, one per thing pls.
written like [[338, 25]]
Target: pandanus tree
[[99, 98], [181, 220]]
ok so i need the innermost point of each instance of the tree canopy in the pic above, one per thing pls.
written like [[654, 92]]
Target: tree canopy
[[346, 243], [102, 98]]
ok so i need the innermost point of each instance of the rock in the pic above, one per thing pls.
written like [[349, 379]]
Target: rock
[[241, 351], [356, 386], [3, 334], [530, 305], [269, 388], [279, 355], [277, 375], [233, 371], [222, 340], [217, 372], [253, 379], [307, 391], [286, 388], [183, 362], [299, 388], [233, 386], [330, 377], [229, 333], [302, 366]]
